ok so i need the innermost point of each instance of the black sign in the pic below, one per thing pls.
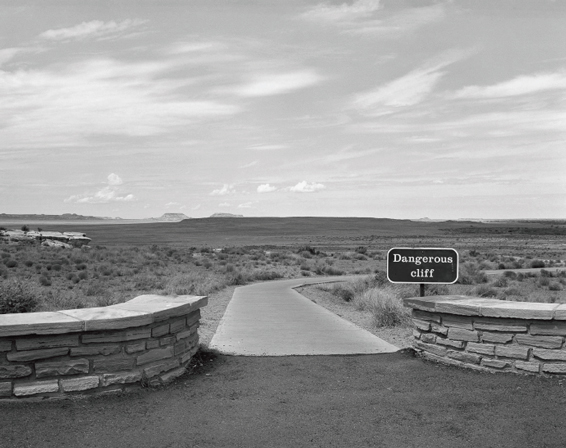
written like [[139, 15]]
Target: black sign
[[422, 265]]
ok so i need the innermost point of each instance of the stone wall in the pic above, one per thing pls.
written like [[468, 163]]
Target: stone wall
[[148, 340], [491, 335]]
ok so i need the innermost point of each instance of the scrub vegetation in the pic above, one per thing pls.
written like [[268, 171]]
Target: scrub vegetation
[[128, 264]]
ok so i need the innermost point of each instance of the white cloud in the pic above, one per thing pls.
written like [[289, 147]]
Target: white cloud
[[267, 84], [172, 204], [400, 23], [249, 165], [337, 13], [226, 189], [268, 147], [407, 90], [265, 188], [94, 28], [8, 53], [224, 204], [521, 85], [368, 17], [59, 107], [104, 195], [305, 187], [246, 205], [114, 179]]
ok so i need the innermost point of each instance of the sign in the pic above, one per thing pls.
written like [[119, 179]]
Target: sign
[[422, 265]]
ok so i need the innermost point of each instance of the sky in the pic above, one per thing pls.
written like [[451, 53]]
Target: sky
[[376, 108]]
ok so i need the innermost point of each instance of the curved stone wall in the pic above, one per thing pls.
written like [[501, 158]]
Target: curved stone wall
[[491, 335], [148, 340]]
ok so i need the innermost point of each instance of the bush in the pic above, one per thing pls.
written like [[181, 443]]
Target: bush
[[537, 264], [11, 263], [555, 286], [386, 307], [484, 291], [500, 282], [16, 297], [44, 281]]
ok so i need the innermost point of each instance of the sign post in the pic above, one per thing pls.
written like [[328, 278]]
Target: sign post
[[423, 266]]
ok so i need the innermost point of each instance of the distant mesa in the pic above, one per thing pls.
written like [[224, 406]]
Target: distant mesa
[[225, 215], [63, 217], [172, 217]]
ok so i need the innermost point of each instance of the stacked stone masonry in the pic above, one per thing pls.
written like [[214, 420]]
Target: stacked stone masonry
[[147, 341], [491, 335]]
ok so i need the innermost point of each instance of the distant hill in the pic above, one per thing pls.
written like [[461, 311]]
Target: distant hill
[[63, 217], [225, 215], [171, 217]]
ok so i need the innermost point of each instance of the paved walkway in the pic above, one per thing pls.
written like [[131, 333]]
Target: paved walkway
[[272, 319]]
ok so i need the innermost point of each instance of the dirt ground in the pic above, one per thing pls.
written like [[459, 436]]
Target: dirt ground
[[390, 400]]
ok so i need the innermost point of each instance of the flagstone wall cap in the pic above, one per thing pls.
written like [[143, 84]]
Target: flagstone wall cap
[[142, 310], [470, 306]]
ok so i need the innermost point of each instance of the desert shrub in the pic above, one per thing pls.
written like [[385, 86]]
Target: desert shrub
[[471, 274], [537, 264], [500, 282], [510, 275], [83, 275], [148, 282], [305, 273], [341, 291], [11, 263], [329, 270], [437, 290], [484, 291], [45, 280], [543, 281], [545, 273], [28, 263], [95, 288], [16, 297], [512, 291], [266, 275], [555, 286], [385, 305]]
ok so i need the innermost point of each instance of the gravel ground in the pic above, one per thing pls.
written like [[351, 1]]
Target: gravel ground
[[217, 303]]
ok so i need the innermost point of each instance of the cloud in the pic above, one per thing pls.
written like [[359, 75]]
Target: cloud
[[246, 205], [267, 147], [100, 96], [407, 90], [114, 179], [226, 189], [104, 195], [305, 187], [8, 53], [249, 165], [94, 28], [344, 12], [402, 22], [224, 204], [265, 188], [172, 204], [371, 18], [521, 85], [267, 84]]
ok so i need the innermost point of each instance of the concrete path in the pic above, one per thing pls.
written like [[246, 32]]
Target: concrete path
[[272, 319]]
